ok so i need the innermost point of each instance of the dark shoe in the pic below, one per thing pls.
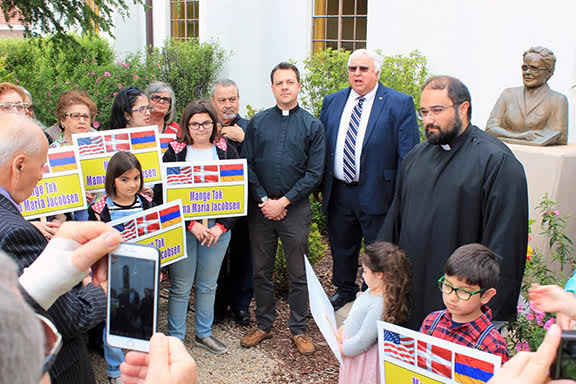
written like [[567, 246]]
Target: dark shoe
[[242, 317], [304, 344], [254, 337], [338, 300], [212, 344]]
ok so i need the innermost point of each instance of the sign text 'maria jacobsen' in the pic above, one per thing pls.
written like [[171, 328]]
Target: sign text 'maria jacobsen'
[[164, 253], [199, 202], [44, 201]]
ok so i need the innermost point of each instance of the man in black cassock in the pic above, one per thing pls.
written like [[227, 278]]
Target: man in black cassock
[[461, 186]]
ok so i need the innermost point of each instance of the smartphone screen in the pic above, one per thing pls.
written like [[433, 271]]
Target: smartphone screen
[[567, 359], [131, 289]]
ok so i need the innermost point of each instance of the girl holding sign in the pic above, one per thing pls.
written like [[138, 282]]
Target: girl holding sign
[[206, 245], [386, 272], [123, 184]]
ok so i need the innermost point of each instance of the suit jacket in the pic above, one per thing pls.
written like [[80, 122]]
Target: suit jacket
[[545, 110], [73, 313], [391, 133]]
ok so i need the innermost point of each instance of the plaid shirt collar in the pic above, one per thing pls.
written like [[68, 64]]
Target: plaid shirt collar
[[472, 328]]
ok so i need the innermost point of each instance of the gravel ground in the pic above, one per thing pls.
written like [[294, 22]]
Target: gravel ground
[[273, 361]]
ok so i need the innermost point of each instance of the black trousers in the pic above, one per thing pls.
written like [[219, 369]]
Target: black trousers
[[293, 231], [347, 225]]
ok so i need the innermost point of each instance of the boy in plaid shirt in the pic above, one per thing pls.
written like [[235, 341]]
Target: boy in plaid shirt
[[468, 284]]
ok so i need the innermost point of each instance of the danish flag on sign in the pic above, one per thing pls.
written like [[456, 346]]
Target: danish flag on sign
[[205, 174], [435, 359], [148, 224]]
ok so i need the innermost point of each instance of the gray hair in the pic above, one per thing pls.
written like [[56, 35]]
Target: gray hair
[[21, 334], [225, 83], [16, 136], [158, 86], [376, 58], [547, 57]]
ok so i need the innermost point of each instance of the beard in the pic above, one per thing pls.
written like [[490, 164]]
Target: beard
[[442, 137], [228, 114]]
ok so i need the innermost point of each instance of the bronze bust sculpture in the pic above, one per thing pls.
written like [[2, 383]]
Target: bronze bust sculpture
[[533, 114]]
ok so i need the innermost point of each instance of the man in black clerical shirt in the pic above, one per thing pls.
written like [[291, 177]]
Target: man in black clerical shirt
[[461, 186], [285, 150], [235, 279]]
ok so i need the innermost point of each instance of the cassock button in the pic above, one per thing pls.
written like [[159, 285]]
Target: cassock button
[[380, 98]]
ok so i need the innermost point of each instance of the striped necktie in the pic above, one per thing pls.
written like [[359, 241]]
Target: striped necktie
[[350, 142]]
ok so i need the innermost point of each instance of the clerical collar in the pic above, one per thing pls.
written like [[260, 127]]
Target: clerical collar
[[458, 140], [445, 147], [287, 112]]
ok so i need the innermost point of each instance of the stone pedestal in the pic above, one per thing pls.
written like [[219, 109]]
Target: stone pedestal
[[549, 170]]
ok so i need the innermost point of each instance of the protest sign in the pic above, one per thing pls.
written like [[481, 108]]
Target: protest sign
[[208, 189], [409, 357], [162, 227], [61, 189], [94, 150]]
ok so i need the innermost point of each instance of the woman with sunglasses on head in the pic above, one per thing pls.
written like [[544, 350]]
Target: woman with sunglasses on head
[[163, 99], [130, 109]]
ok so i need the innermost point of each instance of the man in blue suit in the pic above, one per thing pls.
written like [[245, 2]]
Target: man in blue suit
[[369, 130]]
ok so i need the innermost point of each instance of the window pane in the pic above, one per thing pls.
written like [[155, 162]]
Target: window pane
[[332, 44], [332, 7], [348, 45], [348, 28], [359, 44], [332, 28], [196, 13], [362, 7], [361, 28], [348, 7], [190, 11], [178, 10]]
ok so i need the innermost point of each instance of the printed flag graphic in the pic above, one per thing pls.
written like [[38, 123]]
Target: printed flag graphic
[[435, 359], [231, 172], [399, 347], [117, 142], [127, 230], [164, 142], [146, 139], [62, 161], [469, 370], [91, 145], [179, 175], [148, 224], [205, 174], [170, 216]]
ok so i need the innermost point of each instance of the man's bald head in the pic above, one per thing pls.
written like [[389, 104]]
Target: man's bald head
[[23, 151]]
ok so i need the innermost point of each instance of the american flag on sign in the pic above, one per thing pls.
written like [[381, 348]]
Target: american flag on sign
[[117, 142], [179, 175], [205, 174], [435, 359], [127, 230], [148, 224], [399, 347], [91, 145]]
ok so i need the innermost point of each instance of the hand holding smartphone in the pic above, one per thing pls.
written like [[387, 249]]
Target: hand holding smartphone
[[564, 367], [133, 277]]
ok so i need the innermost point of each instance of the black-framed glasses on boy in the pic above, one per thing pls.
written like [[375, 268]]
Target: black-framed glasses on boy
[[461, 293], [143, 109], [160, 99], [208, 124], [52, 343]]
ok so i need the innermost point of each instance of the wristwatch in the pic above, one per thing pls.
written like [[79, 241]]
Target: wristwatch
[[264, 199]]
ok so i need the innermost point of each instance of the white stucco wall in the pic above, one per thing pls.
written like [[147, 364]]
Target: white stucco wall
[[130, 32], [480, 42]]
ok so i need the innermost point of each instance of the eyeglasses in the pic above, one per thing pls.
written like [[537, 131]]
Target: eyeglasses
[[20, 107], [196, 126], [77, 116], [434, 111], [52, 343], [362, 68], [533, 68], [160, 99], [461, 293], [144, 109]]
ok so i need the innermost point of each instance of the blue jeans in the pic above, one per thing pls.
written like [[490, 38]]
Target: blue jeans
[[114, 357], [202, 263]]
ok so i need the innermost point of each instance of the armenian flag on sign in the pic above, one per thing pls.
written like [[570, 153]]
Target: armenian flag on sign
[[231, 172], [91, 145], [148, 224], [170, 216], [146, 139], [435, 359], [62, 161], [127, 230], [179, 175], [164, 142], [205, 174], [399, 347], [469, 370], [117, 142]]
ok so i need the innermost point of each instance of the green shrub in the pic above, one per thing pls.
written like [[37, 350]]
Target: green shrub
[[46, 72], [316, 249]]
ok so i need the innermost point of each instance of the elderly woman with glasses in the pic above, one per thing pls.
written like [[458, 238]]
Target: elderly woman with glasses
[[75, 111], [162, 98], [130, 109]]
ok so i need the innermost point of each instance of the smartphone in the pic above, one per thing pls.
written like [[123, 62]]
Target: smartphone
[[564, 367], [133, 277]]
